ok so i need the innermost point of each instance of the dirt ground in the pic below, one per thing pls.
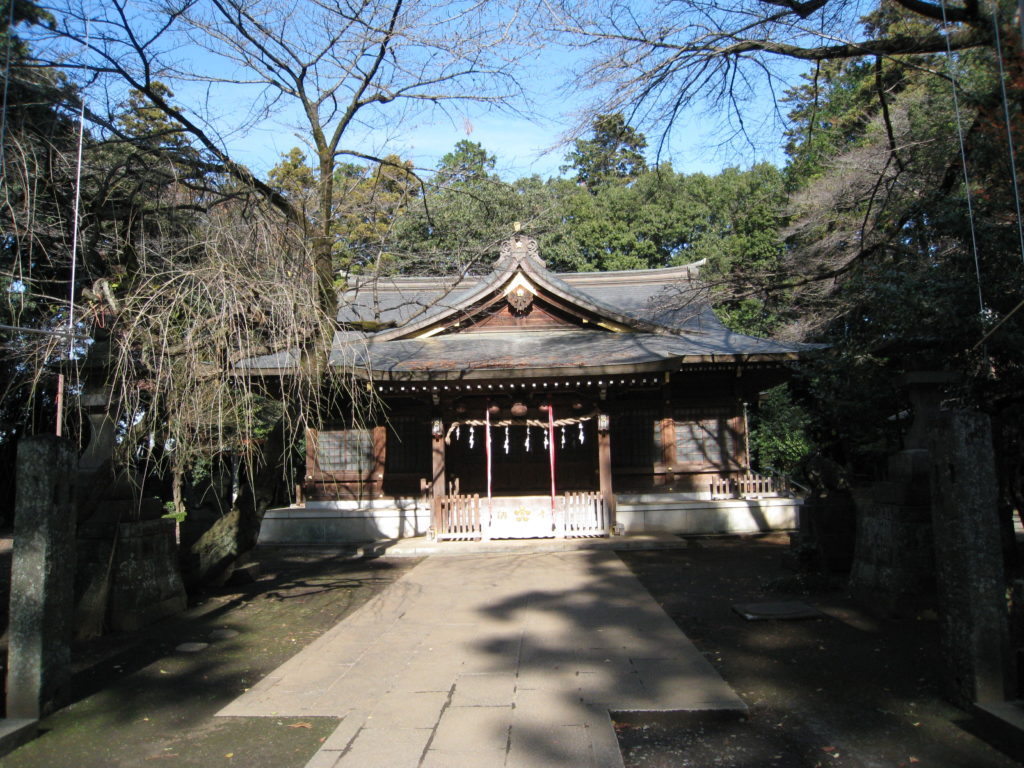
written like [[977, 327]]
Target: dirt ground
[[843, 690], [140, 701]]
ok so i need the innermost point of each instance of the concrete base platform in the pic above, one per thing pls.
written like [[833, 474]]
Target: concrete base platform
[[330, 523], [16, 731], [492, 660]]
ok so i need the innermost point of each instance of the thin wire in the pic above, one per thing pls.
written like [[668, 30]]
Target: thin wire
[[3, 107], [75, 217], [963, 160], [1009, 133]]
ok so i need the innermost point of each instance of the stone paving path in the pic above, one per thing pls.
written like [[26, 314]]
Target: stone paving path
[[492, 661]]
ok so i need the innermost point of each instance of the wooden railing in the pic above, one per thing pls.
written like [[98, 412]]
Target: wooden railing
[[748, 486], [459, 518], [584, 514]]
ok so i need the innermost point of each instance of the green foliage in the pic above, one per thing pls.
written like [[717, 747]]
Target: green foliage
[[171, 512], [468, 163], [880, 239], [779, 434], [467, 212], [368, 201], [613, 156]]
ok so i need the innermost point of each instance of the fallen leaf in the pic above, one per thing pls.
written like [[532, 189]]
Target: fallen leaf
[[301, 725], [828, 749], [230, 754], [914, 759]]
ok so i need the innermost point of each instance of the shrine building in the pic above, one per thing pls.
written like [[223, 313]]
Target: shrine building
[[529, 404]]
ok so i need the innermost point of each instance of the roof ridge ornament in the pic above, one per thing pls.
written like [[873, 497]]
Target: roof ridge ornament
[[519, 248]]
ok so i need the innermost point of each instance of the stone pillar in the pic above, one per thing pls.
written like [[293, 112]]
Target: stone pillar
[[969, 559], [893, 567], [42, 578], [102, 430]]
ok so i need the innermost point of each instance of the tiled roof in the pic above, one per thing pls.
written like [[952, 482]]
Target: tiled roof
[[664, 313], [570, 351]]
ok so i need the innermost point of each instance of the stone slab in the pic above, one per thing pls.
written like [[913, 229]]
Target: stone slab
[[16, 731], [485, 690], [387, 747], [493, 660]]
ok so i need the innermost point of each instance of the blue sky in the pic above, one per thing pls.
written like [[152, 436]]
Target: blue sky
[[522, 145]]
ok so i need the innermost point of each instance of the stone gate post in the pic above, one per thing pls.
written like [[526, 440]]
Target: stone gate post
[[969, 558], [42, 578]]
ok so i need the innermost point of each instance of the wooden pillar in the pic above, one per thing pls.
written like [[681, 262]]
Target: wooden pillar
[[380, 448], [437, 482], [604, 464], [668, 434], [312, 440]]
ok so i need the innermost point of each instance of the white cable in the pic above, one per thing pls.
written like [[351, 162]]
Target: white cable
[[75, 218], [963, 161]]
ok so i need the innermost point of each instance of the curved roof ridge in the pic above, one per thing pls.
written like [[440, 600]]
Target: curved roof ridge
[[556, 283], [521, 254], [653, 274]]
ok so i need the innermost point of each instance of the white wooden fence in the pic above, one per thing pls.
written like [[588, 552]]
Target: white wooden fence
[[584, 514], [578, 514], [459, 518], [748, 486]]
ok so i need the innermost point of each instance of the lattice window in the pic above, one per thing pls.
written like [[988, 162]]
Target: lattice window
[[345, 450], [636, 438], [705, 438]]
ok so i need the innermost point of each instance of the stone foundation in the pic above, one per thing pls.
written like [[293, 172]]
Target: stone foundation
[[331, 523]]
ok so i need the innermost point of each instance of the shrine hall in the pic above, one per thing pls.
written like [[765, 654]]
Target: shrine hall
[[526, 403]]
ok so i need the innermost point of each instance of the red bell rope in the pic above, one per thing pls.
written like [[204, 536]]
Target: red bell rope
[[487, 445], [551, 452]]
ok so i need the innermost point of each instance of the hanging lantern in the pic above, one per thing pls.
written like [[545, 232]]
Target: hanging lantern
[[437, 428], [518, 410]]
